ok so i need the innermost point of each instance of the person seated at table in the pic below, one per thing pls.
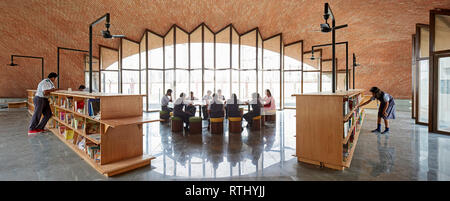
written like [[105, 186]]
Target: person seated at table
[[181, 103], [192, 97], [215, 108], [165, 101], [206, 98], [232, 106], [256, 109], [220, 96], [269, 103]]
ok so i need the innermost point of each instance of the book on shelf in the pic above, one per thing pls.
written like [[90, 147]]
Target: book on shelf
[[62, 130], [69, 103], [79, 106], [346, 128], [93, 107], [81, 143], [92, 127], [78, 123], [95, 136], [93, 150], [68, 134]]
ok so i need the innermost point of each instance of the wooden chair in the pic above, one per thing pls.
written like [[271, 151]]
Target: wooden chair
[[195, 125], [176, 124], [256, 125], [216, 125], [234, 124]]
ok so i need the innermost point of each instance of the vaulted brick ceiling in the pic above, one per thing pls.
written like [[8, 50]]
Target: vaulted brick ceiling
[[379, 32]]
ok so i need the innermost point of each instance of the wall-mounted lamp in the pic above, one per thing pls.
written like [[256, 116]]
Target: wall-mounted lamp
[[31, 57], [105, 34]]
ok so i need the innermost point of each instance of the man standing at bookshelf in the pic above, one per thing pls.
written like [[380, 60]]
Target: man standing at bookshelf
[[42, 105]]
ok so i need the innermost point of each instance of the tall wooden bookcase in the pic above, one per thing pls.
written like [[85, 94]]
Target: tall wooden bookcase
[[120, 137], [321, 128]]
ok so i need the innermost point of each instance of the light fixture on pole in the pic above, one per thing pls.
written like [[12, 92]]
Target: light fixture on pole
[[105, 34], [326, 28]]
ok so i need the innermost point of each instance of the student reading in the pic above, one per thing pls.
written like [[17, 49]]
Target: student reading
[[42, 105], [386, 109]]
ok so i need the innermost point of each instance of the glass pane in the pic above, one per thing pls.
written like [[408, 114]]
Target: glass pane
[[260, 43], [340, 79], [196, 83], [182, 53], [327, 65], [293, 57], [235, 82], [110, 81], [444, 95], [312, 64], [168, 82], [109, 59], [95, 80], [292, 85], [260, 83], [130, 82], [155, 51], [248, 51], [311, 82], [223, 49], [235, 49], [424, 45], [442, 33], [130, 54], [272, 53], [223, 82], [143, 88], [326, 81], [208, 81], [272, 82], [248, 84], [155, 89], [168, 49], [423, 91], [196, 48], [182, 82], [95, 64], [209, 48]]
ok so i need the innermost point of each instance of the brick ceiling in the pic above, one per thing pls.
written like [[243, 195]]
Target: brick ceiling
[[379, 31]]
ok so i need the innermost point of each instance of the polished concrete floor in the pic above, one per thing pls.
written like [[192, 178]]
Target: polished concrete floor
[[409, 152]]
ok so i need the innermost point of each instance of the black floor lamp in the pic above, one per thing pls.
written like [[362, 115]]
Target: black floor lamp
[[326, 28], [105, 34], [31, 57], [64, 48], [346, 60]]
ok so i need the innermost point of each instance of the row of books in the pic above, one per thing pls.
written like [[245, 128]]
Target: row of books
[[66, 132], [350, 103]]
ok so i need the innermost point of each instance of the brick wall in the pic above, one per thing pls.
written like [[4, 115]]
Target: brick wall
[[379, 32]]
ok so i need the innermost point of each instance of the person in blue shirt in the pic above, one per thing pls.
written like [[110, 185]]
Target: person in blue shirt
[[386, 109]]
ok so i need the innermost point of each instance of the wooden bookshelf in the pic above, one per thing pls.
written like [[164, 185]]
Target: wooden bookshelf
[[320, 130], [119, 125]]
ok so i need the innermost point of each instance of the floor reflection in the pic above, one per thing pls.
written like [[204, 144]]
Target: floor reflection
[[213, 156]]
